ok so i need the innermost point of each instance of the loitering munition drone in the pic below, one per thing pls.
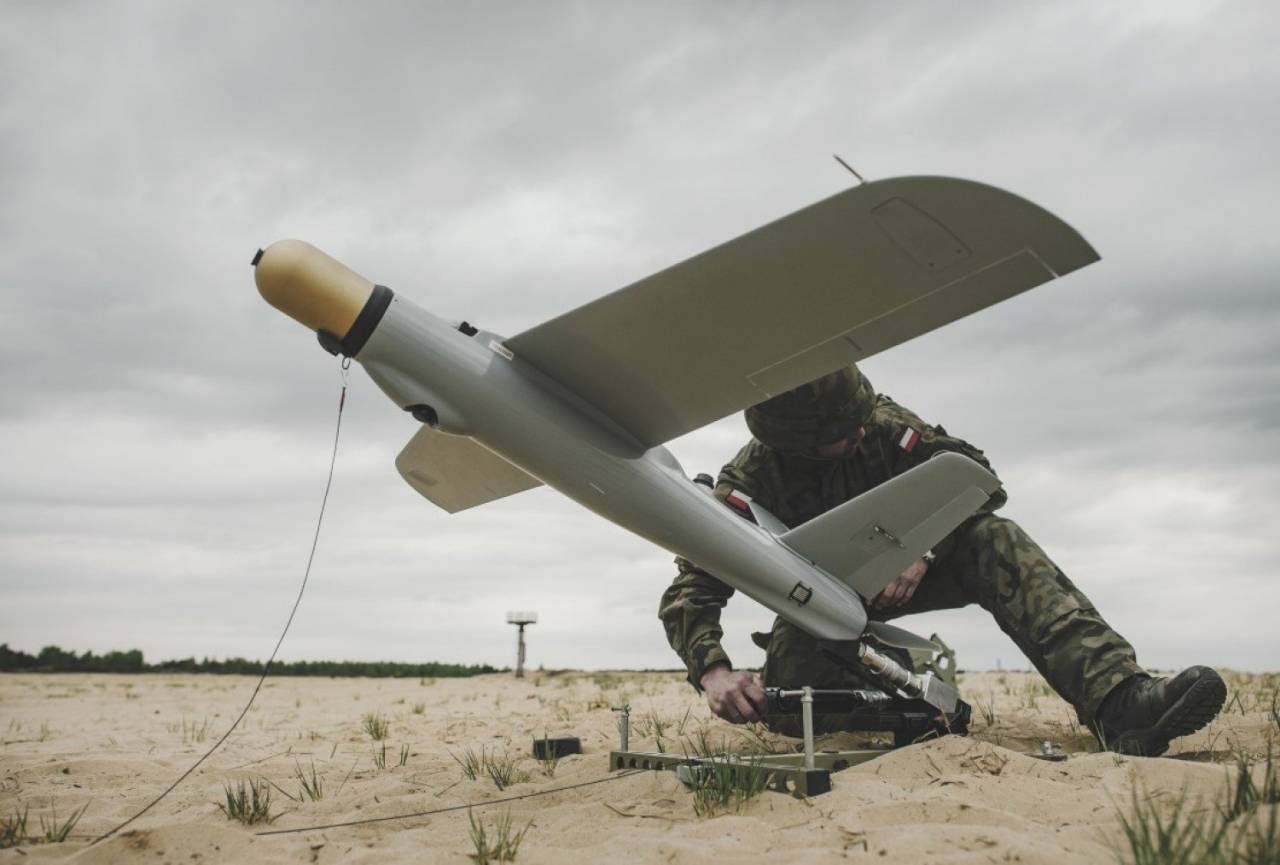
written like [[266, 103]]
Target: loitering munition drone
[[584, 402]]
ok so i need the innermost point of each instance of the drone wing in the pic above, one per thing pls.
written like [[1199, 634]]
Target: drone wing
[[456, 473], [836, 282]]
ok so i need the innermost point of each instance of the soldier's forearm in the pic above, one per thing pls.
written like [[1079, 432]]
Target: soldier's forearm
[[702, 657]]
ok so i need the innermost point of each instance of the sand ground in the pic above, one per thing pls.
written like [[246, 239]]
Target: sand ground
[[114, 742]]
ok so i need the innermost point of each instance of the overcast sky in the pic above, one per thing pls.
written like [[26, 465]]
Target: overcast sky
[[164, 434]]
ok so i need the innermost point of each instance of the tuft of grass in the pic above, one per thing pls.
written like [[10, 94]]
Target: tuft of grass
[[472, 764], [376, 725], [1260, 843], [249, 802], [13, 829], [1246, 795], [419, 708], [309, 786], [550, 758], [1181, 836], [193, 732], [698, 745], [404, 756], [659, 726], [684, 722], [55, 831], [1029, 696], [756, 740], [380, 757], [653, 726], [726, 783], [505, 771], [986, 708], [1246, 831], [504, 843], [1187, 837]]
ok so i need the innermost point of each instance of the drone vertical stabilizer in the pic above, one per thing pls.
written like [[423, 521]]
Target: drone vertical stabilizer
[[456, 473]]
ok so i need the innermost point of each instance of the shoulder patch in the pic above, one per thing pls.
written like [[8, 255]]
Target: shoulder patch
[[739, 500], [909, 439]]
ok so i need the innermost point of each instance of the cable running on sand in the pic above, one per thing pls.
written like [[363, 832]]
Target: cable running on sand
[[342, 401], [452, 807]]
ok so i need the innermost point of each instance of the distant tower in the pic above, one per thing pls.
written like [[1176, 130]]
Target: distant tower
[[520, 619]]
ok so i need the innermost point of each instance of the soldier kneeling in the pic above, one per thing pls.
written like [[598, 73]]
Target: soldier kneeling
[[826, 442]]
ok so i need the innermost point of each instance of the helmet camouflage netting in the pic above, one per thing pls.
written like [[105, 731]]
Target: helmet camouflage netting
[[823, 411]]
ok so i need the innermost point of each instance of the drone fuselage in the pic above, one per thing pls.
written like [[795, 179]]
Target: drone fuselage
[[471, 385]]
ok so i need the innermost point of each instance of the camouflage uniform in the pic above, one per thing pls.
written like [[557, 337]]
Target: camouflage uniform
[[987, 560]]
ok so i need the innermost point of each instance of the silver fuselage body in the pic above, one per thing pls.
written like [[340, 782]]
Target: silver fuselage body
[[513, 410]]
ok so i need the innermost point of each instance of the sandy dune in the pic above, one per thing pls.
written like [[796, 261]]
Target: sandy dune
[[115, 741]]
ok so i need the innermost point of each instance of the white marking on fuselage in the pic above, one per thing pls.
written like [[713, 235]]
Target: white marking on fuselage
[[500, 349]]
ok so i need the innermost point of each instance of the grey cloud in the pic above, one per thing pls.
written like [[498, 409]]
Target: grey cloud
[[164, 434]]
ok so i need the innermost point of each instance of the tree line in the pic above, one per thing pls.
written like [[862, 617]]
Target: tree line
[[52, 659]]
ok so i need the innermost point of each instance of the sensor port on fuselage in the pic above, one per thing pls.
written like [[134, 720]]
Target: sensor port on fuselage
[[424, 414]]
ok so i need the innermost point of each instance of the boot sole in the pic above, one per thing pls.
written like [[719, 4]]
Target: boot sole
[[1192, 711]]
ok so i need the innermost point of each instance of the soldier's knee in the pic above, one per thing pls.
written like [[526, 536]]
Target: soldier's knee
[[996, 559], [1002, 546], [994, 532]]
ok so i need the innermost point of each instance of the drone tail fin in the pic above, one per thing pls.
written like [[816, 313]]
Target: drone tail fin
[[870, 540]]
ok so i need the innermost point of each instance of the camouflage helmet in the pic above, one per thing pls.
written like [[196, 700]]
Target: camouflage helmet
[[823, 411]]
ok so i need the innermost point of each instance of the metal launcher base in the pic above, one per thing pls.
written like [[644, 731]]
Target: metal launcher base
[[807, 773], [784, 773]]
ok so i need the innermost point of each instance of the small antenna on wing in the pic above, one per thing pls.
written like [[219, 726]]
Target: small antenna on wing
[[850, 168]]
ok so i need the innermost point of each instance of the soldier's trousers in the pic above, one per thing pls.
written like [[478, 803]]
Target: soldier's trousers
[[992, 562]]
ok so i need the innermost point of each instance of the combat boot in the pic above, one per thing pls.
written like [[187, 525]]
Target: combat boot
[[1142, 715]]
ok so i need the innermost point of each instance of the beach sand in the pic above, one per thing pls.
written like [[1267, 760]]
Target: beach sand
[[114, 742]]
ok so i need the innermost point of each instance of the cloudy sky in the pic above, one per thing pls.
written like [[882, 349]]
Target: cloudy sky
[[164, 435]]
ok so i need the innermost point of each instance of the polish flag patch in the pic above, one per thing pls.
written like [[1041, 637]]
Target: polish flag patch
[[909, 439], [739, 500]]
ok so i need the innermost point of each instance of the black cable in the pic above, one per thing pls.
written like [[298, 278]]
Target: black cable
[[452, 807], [342, 401]]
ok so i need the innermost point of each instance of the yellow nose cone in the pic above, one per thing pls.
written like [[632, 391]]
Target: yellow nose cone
[[310, 287]]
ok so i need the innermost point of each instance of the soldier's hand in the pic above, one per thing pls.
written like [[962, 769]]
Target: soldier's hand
[[902, 588], [735, 695]]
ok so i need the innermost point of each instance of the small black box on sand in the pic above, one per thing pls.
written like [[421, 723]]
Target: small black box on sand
[[556, 746]]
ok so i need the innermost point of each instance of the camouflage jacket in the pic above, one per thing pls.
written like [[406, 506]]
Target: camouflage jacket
[[796, 489]]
